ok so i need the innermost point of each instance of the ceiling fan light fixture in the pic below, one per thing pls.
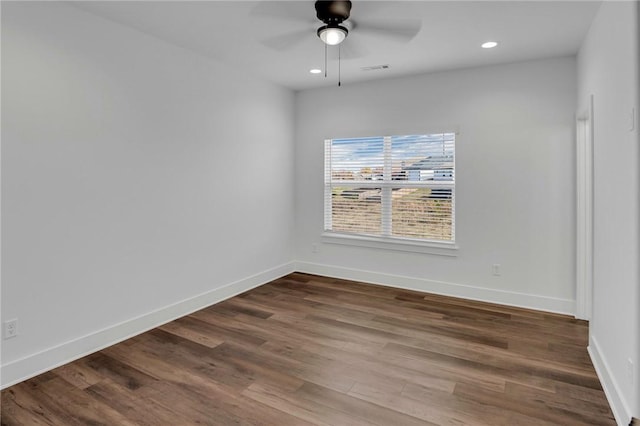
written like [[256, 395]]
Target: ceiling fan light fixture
[[332, 34]]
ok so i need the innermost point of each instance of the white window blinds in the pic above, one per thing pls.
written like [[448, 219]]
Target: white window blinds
[[399, 187]]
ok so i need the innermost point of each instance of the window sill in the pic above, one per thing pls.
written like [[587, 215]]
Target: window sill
[[389, 243]]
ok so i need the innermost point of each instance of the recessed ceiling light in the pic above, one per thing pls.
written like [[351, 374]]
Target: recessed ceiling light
[[315, 71], [489, 44]]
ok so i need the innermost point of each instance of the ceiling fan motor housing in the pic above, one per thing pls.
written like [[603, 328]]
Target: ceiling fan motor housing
[[333, 12]]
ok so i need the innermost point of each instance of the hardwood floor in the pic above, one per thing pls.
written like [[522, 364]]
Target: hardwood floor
[[311, 350]]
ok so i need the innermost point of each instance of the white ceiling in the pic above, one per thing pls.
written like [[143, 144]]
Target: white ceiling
[[450, 35]]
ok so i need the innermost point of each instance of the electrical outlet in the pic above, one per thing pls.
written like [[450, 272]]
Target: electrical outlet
[[314, 248], [495, 269], [10, 328]]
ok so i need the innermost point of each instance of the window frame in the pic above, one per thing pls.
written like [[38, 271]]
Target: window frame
[[387, 240]]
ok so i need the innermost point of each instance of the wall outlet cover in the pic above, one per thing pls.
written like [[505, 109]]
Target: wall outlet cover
[[10, 328], [495, 269]]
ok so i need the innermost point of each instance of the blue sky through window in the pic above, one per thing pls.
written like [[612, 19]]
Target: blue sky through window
[[357, 153]]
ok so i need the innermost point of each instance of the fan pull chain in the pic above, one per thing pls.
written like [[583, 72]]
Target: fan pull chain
[[325, 60], [339, 50]]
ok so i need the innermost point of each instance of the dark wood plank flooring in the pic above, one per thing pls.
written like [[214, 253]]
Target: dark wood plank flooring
[[311, 350]]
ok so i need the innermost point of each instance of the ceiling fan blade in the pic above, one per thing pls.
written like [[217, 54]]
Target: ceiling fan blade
[[286, 41], [353, 48], [283, 10], [398, 29]]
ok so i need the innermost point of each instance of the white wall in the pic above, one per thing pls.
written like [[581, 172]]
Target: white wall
[[608, 70], [133, 173], [514, 179]]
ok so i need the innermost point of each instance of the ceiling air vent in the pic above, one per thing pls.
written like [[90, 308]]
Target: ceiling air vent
[[375, 68]]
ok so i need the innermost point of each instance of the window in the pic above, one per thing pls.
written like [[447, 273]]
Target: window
[[391, 188]]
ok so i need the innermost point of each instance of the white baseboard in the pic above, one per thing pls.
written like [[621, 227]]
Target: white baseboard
[[621, 411], [523, 300], [32, 365]]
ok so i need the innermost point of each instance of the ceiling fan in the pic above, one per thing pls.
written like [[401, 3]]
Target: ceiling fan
[[332, 14], [366, 29]]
